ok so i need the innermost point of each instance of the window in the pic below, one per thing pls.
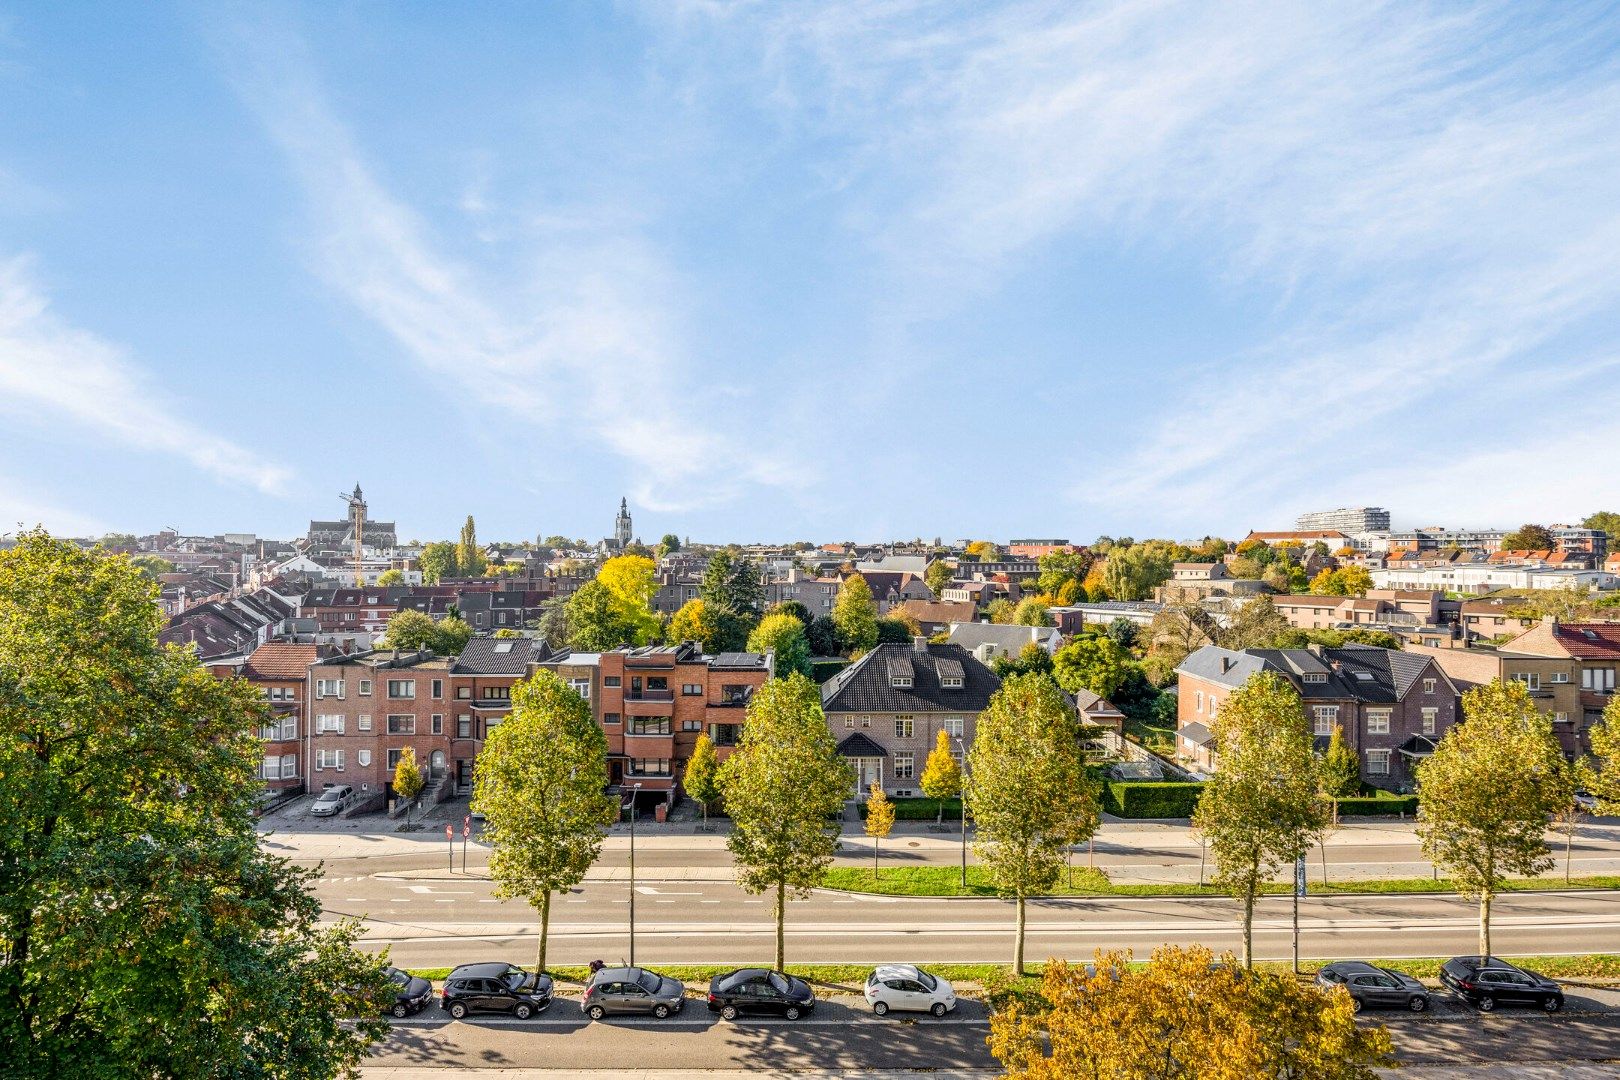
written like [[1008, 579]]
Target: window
[[1531, 679], [903, 766], [363, 722], [328, 725], [1198, 701], [393, 758], [270, 767], [289, 766], [1315, 677], [582, 687], [500, 693], [1559, 677], [611, 680], [1599, 680], [328, 759], [866, 721], [903, 726], [328, 688], [691, 725], [1378, 721], [438, 723], [1378, 763], [402, 725], [464, 692], [1214, 705], [649, 767], [438, 688], [1428, 686], [402, 688], [610, 718], [658, 682], [649, 725], [463, 727], [849, 721], [1431, 719], [1326, 716], [1560, 717], [951, 682], [692, 689], [365, 687], [953, 726], [900, 682], [363, 757]]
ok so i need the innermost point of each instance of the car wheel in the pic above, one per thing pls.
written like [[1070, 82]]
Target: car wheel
[[1486, 1003], [458, 1010], [523, 1011], [1418, 1004], [792, 1012], [1552, 1004], [595, 1012], [729, 1012], [399, 1009], [881, 1008], [1356, 1005], [661, 1011], [938, 1009]]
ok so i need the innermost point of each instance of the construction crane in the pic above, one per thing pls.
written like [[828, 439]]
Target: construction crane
[[357, 525]]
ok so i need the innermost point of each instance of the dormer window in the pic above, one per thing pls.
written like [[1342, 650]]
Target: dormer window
[[951, 682], [1315, 677], [900, 682]]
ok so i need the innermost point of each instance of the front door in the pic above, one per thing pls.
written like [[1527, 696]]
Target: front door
[[436, 765], [464, 773]]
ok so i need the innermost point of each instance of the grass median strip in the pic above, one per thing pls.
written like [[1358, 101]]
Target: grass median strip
[[1085, 881]]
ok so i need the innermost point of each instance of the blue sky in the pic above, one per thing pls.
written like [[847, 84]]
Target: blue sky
[[824, 270]]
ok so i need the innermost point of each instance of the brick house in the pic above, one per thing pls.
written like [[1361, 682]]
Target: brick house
[[364, 709], [1392, 706], [279, 671], [481, 681], [887, 708]]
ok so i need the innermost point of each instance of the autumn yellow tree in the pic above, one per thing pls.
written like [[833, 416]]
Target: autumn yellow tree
[[1179, 1017], [942, 774], [632, 580], [879, 821]]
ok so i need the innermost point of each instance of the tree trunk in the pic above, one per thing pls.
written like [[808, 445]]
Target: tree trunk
[[1018, 942], [874, 860], [1569, 845], [781, 921], [939, 805], [1323, 846], [545, 928], [1248, 927], [1485, 923]]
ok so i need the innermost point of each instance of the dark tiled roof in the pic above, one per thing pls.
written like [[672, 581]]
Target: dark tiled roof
[[865, 686], [498, 656], [858, 745], [1356, 672], [1197, 733]]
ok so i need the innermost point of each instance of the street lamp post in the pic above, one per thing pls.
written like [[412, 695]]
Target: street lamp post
[[963, 750], [635, 789]]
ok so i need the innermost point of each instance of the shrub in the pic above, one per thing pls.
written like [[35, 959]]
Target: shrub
[[921, 809], [1143, 799], [1383, 803]]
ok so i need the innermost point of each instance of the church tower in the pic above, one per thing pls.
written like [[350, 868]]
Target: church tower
[[621, 526]]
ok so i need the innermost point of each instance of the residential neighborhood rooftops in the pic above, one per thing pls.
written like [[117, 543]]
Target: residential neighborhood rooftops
[[879, 681], [1362, 672]]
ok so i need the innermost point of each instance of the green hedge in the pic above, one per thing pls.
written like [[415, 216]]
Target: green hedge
[[921, 809], [1144, 799], [1382, 804]]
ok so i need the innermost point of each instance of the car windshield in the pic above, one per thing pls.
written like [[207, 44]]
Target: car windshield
[[648, 981], [399, 977], [927, 979], [515, 978], [778, 982], [328, 796]]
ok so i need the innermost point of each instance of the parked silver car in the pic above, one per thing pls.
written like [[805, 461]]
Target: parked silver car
[[333, 800], [631, 991]]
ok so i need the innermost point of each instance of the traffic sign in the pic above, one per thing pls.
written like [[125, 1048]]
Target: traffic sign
[[1299, 876], [466, 829], [449, 832]]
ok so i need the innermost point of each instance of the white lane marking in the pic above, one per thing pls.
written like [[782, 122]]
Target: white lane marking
[[441, 892], [648, 890]]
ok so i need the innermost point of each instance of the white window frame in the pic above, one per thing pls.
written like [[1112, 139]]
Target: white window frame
[[329, 688], [330, 724], [1378, 762], [363, 758], [363, 722], [953, 726], [905, 766], [1378, 721], [365, 688], [1530, 679], [289, 766], [905, 727], [1431, 720], [1428, 685], [1325, 718]]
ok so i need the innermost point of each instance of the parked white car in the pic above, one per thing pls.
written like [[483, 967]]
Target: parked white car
[[908, 989]]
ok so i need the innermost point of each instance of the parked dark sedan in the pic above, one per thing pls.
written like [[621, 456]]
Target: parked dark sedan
[[411, 992], [755, 990], [1487, 982], [495, 987], [1372, 987]]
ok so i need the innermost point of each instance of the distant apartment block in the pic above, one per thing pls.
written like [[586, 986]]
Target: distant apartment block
[[1348, 520]]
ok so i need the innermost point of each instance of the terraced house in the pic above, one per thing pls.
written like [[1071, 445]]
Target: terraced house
[[1392, 706], [887, 708], [365, 709]]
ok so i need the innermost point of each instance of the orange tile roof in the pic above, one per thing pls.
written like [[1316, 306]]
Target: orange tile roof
[[280, 660]]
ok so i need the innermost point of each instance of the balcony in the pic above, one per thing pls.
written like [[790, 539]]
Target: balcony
[[649, 695], [648, 707]]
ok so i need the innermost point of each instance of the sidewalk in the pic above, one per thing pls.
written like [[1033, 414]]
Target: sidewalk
[[416, 1072]]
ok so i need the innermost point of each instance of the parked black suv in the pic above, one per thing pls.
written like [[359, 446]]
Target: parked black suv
[[1487, 982], [495, 987], [411, 992], [1374, 987], [755, 990]]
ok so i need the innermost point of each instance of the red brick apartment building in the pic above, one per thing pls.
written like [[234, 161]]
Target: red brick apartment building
[[280, 672], [365, 709]]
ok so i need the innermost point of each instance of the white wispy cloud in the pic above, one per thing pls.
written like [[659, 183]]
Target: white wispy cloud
[[581, 343], [53, 370], [1429, 195]]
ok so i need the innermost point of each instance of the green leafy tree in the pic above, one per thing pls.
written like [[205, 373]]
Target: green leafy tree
[[540, 784], [553, 623], [506, 633], [783, 786], [1030, 659], [1341, 769], [1031, 611], [1606, 520], [855, 615], [1530, 538], [1030, 793], [694, 622], [596, 620], [795, 609], [785, 635], [702, 777], [1091, 662], [1262, 809], [144, 931], [670, 543], [879, 821], [1132, 573], [409, 630], [1123, 632], [938, 575], [1345, 581], [1001, 611], [390, 578], [1486, 792], [942, 774], [733, 583], [1253, 624], [1059, 568], [470, 561], [1604, 738], [437, 561], [822, 635], [153, 566], [452, 636], [895, 631]]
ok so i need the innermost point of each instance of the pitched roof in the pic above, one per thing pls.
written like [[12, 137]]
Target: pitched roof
[[1004, 638], [1196, 733], [1590, 641], [867, 684], [858, 745], [498, 656], [939, 611], [280, 660], [1359, 672]]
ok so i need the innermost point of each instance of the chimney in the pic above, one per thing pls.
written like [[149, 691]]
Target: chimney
[[985, 653], [919, 644], [1226, 664]]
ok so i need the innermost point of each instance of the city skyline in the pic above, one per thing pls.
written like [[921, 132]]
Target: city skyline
[[1133, 268]]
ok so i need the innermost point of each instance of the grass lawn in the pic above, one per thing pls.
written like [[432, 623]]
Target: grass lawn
[[1160, 740], [1083, 881]]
